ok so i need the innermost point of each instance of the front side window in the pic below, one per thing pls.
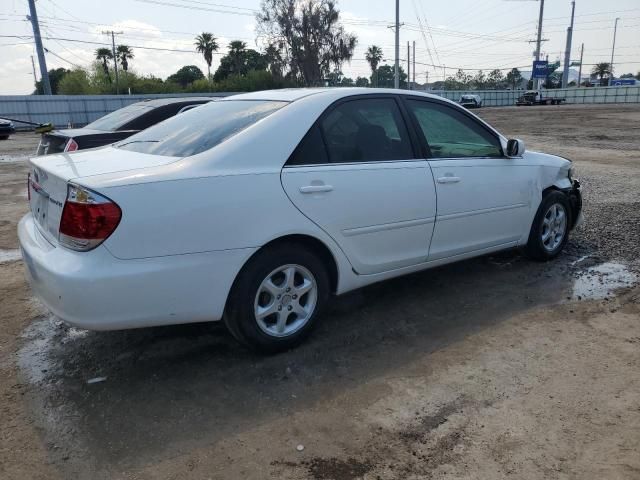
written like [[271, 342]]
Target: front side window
[[201, 128], [452, 134], [366, 130]]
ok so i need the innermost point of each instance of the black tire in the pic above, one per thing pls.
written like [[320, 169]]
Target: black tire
[[4, 137], [535, 247], [240, 317]]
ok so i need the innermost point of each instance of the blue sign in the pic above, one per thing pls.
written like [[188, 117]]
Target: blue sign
[[539, 69], [618, 82]]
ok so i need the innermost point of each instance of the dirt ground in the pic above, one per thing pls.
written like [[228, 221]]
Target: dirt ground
[[493, 368]]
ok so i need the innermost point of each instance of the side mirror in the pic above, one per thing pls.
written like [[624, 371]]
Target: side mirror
[[515, 147]]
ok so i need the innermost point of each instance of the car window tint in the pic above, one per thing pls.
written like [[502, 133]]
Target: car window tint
[[366, 130], [114, 120], [199, 129], [452, 134], [311, 150]]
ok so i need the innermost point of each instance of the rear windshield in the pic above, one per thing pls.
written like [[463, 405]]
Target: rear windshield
[[199, 129], [114, 120]]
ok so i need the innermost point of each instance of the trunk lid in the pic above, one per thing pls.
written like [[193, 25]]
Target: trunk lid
[[49, 176]]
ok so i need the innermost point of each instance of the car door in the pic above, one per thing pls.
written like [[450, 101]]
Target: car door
[[484, 198], [356, 176]]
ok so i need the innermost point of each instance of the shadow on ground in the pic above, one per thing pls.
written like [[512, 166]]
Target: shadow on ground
[[169, 390]]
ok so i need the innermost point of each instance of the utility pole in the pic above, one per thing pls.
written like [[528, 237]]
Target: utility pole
[[539, 40], [408, 66], [580, 69], [567, 50], [113, 49], [414, 64], [44, 73], [35, 79], [613, 49], [396, 72]]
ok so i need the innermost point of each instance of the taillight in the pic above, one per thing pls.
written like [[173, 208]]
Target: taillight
[[88, 219], [71, 145]]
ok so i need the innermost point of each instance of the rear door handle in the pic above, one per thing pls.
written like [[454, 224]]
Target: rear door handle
[[316, 188], [448, 179]]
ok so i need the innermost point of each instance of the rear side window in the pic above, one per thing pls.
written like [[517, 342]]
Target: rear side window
[[115, 120], [199, 129], [311, 150], [366, 130], [452, 134]]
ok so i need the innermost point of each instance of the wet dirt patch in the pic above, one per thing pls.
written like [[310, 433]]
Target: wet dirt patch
[[10, 255], [600, 281], [337, 469]]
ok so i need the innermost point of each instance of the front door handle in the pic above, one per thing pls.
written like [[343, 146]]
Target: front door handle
[[316, 188], [448, 179]]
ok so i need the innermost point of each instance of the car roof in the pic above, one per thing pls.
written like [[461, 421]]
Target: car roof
[[161, 102], [293, 94]]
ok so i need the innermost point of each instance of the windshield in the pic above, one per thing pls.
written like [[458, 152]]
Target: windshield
[[199, 129], [114, 120]]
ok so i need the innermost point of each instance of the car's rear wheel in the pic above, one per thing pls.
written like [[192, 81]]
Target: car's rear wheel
[[550, 230], [277, 297]]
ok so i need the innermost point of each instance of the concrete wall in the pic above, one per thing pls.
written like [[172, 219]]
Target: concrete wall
[[78, 110], [74, 110]]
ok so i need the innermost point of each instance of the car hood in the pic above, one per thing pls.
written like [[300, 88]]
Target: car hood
[[67, 166]]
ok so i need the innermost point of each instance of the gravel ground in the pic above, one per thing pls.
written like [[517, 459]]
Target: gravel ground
[[496, 367]]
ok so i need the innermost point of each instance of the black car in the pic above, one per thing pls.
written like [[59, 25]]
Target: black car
[[116, 125], [6, 128]]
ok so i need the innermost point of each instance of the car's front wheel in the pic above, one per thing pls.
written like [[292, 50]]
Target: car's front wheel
[[277, 297], [550, 230]]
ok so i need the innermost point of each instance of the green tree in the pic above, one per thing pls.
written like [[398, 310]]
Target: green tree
[[186, 76], [55, 76], [514, 77], [385, 76], [313, 39], [602, 70], [76, 82], [374, 57], [124, 54], [104, 55], [239, 61], [362, 82], [237, 50], [479, 80], [206, 44], [273, 57], [495, 79]]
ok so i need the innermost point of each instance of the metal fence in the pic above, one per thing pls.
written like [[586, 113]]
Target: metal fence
[[72, 110], [501, 98], [78, 110]]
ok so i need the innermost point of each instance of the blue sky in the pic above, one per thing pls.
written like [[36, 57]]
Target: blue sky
[[473, 34]]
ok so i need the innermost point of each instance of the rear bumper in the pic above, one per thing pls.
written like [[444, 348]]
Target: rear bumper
[[96, 291]]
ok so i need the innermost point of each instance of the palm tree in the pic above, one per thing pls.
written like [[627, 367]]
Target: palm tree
[[374, 57], [236, 51], [206, 44], [274, 59], [124, 54], [104, 55], [601, 70]]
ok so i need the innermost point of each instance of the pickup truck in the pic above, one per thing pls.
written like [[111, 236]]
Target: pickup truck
[[533, 97]]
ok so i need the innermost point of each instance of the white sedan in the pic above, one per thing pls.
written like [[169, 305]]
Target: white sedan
[[256, 208]]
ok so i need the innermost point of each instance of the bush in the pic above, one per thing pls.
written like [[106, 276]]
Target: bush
[[76, 82]]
